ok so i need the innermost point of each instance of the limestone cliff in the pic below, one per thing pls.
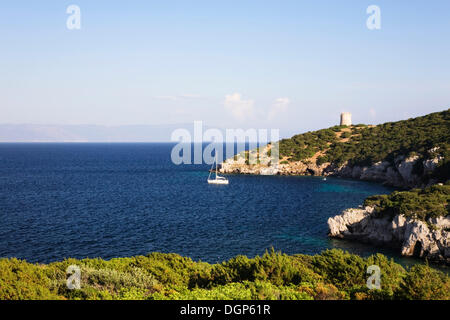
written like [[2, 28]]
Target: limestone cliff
[[410, 236], [399, 173]]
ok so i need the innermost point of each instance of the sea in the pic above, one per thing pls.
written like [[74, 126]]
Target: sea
[[107, 200]]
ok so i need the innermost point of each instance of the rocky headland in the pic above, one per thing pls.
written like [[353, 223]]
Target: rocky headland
[[399, 173], [412, 237], [405, 154]]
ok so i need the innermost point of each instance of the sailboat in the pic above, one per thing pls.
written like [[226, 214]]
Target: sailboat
[[218, 179]]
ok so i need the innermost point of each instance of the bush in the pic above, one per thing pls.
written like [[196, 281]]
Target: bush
[[332, 275], [20, 280], [421, 204], [424, 283], [346, 135]]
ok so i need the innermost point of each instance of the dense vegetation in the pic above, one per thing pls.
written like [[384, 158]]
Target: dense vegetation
[[333, 274], [365, 145], [303, 146], [422, 204]]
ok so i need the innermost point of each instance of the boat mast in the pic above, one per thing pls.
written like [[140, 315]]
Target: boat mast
[[216, 163], [210, 171]]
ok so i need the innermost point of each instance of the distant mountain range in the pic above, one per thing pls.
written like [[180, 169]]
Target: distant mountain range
[[88, 133], [98, 133]]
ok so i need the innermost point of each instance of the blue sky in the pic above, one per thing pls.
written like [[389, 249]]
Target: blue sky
[[264, 64]]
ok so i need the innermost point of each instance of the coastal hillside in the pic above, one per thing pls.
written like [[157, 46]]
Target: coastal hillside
[[332, 275], [408, 153]]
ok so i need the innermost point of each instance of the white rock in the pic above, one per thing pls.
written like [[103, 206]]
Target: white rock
[[411, 236], [405, 169]]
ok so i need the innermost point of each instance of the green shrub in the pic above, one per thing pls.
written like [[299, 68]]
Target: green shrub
[[20, 280], [332, 275], [424, 283], [346, 135], [422, 204]]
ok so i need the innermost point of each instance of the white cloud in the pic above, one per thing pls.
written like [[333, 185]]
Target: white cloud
[[280, 105], [372, 112], [240, 109]]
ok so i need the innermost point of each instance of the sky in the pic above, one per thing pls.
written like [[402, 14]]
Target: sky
[[294, 65]]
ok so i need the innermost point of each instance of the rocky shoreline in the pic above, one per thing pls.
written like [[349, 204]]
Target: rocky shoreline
[[412, 237], [400, 173]]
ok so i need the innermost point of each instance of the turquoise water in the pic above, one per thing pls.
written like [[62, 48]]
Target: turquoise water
[[116, 200]]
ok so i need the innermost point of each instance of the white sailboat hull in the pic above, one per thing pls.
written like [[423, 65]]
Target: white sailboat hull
[[218, 181]]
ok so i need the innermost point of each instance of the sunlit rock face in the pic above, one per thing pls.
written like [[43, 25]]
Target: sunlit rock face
[[399, 173], [411, 237]]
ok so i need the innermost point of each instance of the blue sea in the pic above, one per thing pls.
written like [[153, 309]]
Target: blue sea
[[119, 200]]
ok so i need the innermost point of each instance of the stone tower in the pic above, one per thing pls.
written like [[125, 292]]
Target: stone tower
[[346, 119]]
